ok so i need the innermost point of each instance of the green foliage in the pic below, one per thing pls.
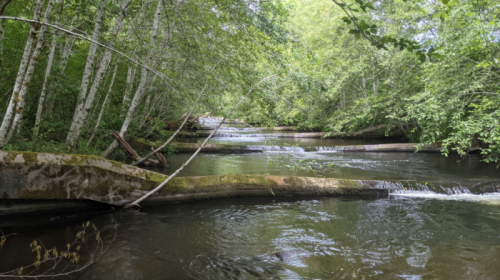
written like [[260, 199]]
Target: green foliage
[[427, 68], [435, 78]]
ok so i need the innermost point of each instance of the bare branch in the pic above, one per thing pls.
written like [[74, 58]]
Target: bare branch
[[180, 127], [136, 202], [135, 61]]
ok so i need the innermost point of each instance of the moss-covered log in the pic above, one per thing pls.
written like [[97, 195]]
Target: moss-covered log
[[58, 177]]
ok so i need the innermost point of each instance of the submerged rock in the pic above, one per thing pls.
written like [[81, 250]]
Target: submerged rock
[[292, 254]]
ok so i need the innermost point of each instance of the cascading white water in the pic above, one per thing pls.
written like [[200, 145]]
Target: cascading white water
[[433, 191]]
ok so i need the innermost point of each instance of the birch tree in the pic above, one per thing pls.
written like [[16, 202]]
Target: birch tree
[[3, 5], [70, 41], [104, 103], [141, 89], [41, 99], [77, 122], [15, 98], [81, 115], [29, 72]]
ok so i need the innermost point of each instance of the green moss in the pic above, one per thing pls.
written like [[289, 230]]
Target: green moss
[[116, 164], [75, 160], [11, 156], [30, 157], [349, 184], [155, 177]]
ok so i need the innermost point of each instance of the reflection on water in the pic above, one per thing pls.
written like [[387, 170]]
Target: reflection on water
[[405, 238]]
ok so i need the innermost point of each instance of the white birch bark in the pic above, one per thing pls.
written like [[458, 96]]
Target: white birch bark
[[77, 122], [141, 90], [130, 78], [41, 99], [68, 46], [31, 69], [103, 107], [130, 85], [81, 115], [375, 78], [4, 128], [66, 49]]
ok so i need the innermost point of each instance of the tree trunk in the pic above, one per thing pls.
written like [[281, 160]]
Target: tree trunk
[[68, 46], [20, 75], [375, 78], [47, 74], [77, 121], [31, 68], [141, 90], [3, 5], [104, 104], [130, 87], [82, 114]]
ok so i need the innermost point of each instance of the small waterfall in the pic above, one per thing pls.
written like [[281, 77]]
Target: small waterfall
[[241, 135], [289, 149], [229, 128], [328, 149], [482, 192]]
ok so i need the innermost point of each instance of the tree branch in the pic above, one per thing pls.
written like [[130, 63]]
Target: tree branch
[[136, 202], [182, 125], [95, 42]]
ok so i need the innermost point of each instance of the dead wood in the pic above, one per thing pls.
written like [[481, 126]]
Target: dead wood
[[127, 149], [136, 202], [163, 161], [131, 153]]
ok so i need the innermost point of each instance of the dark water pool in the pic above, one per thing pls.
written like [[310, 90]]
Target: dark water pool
[[394, 238]]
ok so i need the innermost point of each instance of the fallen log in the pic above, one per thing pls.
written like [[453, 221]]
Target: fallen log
[[396, 147], [163, 161], [127, 149], [131, 153]]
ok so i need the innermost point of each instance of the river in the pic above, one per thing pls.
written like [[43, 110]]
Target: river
[[452, 232]]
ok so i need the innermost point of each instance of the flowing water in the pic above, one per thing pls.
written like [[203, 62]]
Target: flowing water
[[393, 238], [445, 224]]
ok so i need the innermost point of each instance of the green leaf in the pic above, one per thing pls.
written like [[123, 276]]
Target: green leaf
[[422, 58]]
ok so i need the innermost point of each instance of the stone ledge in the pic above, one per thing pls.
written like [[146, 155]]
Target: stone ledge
[[44, 177]]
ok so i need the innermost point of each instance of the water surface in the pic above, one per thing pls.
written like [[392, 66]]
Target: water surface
[[393, 238], [354, 165]]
